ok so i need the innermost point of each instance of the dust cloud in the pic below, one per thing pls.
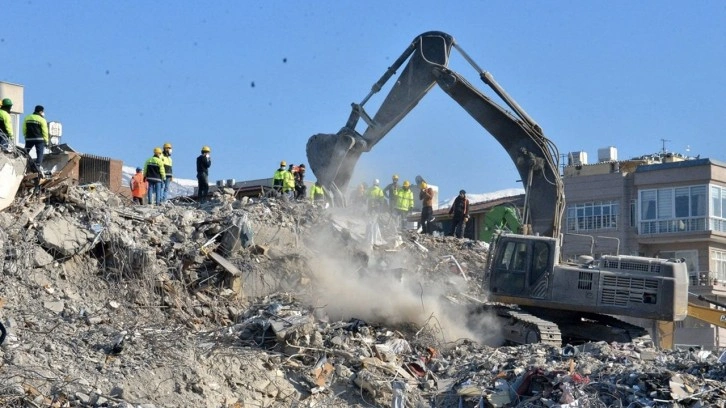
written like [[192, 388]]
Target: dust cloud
[[392, 287]]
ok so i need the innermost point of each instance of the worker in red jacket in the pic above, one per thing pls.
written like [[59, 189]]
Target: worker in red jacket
[[138, 186]]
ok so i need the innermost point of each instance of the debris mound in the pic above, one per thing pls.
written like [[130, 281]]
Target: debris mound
[[270, 303]]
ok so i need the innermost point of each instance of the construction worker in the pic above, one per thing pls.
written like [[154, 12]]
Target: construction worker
[[300, 188], [404, 202], [279, 177], [139, 186], [288, 183], [35, 130], [359, 197], [426, 195], [155, 175], [7, 137], [460, 209], [166, 158], [376, 199], [204, 162], [390, 193], [317, 194]]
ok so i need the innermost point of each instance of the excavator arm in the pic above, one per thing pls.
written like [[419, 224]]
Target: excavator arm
[[333, 157]]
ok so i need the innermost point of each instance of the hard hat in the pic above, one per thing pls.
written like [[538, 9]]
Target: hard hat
[[376, 182], [423, 185], [138, 169], [283, 163], [406, 183], [167, 145], [395, 177], [157, 150], [206, 149], [7, 102], [462, 192]]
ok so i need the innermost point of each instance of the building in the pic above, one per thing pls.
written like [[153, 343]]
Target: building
[[664, 205]]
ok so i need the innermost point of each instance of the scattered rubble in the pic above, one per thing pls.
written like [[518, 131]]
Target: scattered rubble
[[268, 303]]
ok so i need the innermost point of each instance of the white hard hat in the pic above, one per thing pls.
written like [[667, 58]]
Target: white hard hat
[[376, 182]]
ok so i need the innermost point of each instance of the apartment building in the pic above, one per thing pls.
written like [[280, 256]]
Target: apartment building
[[664, 205]]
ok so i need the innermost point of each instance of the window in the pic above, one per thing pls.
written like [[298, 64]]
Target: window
[[718, 259], [717, 210], [677, 209], [691, 258], [593, 216]]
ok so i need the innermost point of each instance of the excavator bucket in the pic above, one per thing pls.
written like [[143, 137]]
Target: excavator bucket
[[332, 158]]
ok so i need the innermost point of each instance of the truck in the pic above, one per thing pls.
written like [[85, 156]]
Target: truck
[[538, 296]]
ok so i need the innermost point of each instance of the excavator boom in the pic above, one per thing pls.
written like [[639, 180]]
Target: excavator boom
[[333, 157]]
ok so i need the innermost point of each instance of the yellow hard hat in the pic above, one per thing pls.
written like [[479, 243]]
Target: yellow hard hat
[[395, 177], [206, 149], [406, 183], [167, 145], [157, 150], [283, 163], [423, 185]]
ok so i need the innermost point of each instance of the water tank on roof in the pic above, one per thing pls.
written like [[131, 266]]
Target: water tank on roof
[[605, 154], [576, 158]]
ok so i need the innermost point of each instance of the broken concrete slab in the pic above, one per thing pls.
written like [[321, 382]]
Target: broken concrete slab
[[61, 236]]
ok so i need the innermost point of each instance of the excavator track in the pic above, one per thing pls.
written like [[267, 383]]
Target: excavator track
[[577, 327], [525, 328]]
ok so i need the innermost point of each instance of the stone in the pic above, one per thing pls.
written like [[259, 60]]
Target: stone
[[55, 307], [60, 236]]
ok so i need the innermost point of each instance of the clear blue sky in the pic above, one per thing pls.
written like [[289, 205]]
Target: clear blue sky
[[126, 76]]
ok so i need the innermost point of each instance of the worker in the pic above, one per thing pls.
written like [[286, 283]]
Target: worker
[[376, 199], [360, 195], [204, 162], [278, 178], [288, 183], [7, 137], [139, 186], [390, 193], [166, 158], [460, 209], [404, 202], [35, 130], [300, 188], [426, 195], [317, 194], [155, 175]]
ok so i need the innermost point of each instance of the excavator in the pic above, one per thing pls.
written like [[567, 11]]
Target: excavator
[[536, 296]]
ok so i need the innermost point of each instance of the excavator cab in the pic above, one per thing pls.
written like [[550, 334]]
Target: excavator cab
[[520, 264]]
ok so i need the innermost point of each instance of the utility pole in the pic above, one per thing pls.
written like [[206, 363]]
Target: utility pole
[[663, 141]]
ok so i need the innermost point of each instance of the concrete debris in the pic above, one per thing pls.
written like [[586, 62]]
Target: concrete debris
[[267, 303]]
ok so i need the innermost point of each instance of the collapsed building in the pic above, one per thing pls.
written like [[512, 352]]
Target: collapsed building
[[268, 303]]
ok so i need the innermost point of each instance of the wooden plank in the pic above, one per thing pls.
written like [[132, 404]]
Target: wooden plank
[[234, 280], [224, 263]]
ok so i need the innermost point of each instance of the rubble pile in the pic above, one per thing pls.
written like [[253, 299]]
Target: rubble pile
[[269, 303]]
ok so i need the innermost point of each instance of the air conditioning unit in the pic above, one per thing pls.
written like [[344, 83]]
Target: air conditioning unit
[[576, 158], [606, 154]]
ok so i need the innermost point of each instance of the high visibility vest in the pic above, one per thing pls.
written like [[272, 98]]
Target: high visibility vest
[[404, 199], [154, 169], [288, 181], [317, 193]]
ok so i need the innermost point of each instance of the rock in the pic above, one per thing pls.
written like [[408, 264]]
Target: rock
[[41, 257], [61, 236], [55, 307]]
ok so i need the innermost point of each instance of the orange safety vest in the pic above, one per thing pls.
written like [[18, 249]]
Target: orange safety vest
[[138, 185]]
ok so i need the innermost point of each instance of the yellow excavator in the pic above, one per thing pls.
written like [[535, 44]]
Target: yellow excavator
[[545, 299]]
